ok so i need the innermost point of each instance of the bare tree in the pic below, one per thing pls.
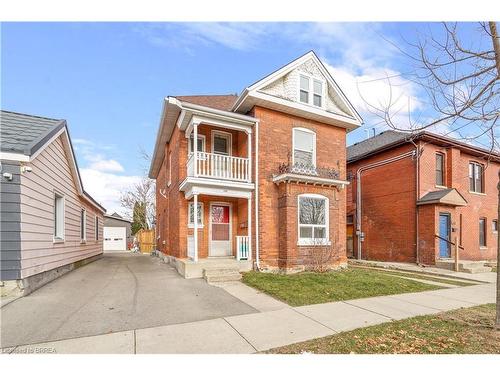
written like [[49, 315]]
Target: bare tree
[[462, 83], [142, 193]]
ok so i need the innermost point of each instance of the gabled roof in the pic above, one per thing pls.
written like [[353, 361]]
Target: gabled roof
[[24, 134], [446, 196], [380, 141], [391, 138], [253, 95], [222, 102], [115, 216]]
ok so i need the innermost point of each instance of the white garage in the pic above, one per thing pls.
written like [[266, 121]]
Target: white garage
[[115, 239]]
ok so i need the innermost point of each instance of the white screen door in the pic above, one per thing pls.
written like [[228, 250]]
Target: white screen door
[[220, 230]]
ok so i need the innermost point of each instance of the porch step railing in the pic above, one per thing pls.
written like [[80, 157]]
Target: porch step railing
[[242, 247], [217, 166]]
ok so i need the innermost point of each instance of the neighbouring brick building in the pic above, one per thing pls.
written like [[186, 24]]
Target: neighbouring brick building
[[418, 195], [266, 174]]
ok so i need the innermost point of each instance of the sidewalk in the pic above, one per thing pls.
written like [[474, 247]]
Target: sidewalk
[[276, 325]]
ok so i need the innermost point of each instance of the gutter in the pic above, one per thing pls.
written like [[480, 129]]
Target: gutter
[[358, 189]]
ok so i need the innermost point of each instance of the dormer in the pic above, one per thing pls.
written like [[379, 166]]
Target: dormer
[[304, 88]]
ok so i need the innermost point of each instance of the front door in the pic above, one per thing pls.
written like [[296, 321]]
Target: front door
[[220, 230], [444, 232]]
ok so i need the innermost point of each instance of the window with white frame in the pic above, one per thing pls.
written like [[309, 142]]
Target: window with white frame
[[83, 224], [476, 177], [313, 219], [311, 90], [97, 228], [201, 143], [304, 147], [58, 217], [191, 214]]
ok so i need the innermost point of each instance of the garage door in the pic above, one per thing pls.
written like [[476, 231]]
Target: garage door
[[115, 239]]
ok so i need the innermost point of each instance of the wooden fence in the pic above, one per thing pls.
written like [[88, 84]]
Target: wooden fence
[[146, 239]]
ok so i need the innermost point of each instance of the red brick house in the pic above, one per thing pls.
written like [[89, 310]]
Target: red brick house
[[405, 208], [267, 174]]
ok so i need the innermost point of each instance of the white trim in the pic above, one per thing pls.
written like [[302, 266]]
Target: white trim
[[14, 156], [312, 241], [220, 122], [204, 143], [46, 144], [228, 136], [287, 177], [250, 91], [96, 229], [310, 92], [304, 130], [230, 205], [191, 225], [56, 238], [84, 224]]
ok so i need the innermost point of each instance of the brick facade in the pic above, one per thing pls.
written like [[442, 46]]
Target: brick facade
[[392, 222]]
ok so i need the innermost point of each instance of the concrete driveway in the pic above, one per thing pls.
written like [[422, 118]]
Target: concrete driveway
[[116, 293]]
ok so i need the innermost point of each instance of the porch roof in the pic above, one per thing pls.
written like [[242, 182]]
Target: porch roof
[[446, 196]]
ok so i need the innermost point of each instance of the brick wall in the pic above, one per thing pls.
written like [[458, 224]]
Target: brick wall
[[278, 205]]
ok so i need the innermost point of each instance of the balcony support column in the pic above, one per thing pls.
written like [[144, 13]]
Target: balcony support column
[[249, 156], [195, 219], [195, 149]]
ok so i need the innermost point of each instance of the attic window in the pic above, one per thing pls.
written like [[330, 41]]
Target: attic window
[[311, 95]]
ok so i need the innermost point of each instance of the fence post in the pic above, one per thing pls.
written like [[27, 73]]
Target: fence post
[[456, 254]]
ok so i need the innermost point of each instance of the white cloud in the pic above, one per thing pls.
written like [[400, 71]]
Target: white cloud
[[107, 188], [109, 165]]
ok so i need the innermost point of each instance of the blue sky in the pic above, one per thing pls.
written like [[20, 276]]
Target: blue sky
[[108, 79]]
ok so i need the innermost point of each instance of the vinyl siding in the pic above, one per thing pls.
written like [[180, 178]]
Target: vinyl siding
[[51, 173], [10, 229]]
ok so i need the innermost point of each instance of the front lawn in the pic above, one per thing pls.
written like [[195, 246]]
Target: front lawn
[[459, 331], [309, 288]]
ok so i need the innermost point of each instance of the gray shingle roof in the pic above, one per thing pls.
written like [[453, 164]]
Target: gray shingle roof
[[380, 141], [24, 134], [445, 196]]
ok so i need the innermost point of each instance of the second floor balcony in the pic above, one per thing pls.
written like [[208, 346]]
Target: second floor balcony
[[219, 167]]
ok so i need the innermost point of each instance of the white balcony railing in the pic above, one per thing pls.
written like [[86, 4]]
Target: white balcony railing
[[242, 247], [223, 167]]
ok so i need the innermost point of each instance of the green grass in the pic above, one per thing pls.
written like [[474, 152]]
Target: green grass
[[309, 288], [459, 331]]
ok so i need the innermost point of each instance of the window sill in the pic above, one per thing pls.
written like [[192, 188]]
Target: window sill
[[441, 186], [313, 243], [483, 247], [200, 226], [83, 242], [58, 240], [477, 193]]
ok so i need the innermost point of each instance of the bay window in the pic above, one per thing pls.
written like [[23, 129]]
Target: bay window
[[313, 220]]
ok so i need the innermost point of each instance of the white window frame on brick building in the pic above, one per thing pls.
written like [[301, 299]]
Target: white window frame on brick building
[[311, 92], [295, 146], [191, 215], [313, 240], [476, 173]]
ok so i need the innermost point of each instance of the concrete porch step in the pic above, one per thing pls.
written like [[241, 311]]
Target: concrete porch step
[[221, 274]]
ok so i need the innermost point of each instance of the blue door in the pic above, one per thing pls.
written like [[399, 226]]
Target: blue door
[[444, 232]]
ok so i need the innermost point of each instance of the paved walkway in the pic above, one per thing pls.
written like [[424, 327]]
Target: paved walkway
[[276, 324], [485, 277]]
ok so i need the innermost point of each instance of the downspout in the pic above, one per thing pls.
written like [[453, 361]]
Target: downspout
[[417, 196], [257, 261], [358, 190]]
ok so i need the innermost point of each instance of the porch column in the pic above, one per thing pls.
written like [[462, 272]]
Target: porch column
[[195, 235], [195, 150], [249, 151], [249, 227]]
